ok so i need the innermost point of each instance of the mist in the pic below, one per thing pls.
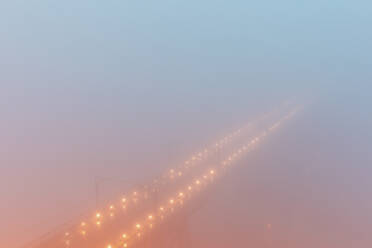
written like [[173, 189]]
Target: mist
[[119, 92]]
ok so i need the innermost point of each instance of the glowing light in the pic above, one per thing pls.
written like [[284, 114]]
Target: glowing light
[[177, 200], [67, 233]]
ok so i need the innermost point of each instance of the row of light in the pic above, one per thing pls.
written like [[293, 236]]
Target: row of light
[[177, 201], [182, 169], [136, 196]]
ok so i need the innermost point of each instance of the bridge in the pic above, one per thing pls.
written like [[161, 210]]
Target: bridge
[[155, 214]]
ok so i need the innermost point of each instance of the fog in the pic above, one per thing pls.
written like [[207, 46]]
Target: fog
[[120, 91]]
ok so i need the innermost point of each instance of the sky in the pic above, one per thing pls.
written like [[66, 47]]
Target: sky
[[108, 88]]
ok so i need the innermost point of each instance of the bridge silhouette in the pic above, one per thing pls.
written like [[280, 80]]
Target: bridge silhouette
[[156, 214]]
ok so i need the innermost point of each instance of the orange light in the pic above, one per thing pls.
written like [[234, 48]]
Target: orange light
[[138, 226], [125, 245], [109, 246], [83, 224], [171, 201], [212, 172], [124, 236], [124, 200], [161, 209], [150, 217], [180, 194], [98, 215], [197, 182], [189, 188]]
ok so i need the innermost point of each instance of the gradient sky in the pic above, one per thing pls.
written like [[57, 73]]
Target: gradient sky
[[93, 88]]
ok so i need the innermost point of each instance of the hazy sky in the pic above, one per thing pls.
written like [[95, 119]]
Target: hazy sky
[[108, 87]]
